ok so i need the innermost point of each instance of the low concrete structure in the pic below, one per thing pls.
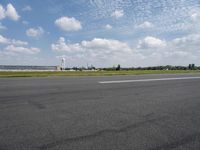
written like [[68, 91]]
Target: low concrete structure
[[18, 67]]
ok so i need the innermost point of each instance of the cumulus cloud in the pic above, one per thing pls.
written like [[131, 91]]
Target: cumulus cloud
[[189, 43], [147, 52], [106, 45], [9, 12], [34, 32], [192, 38], [12, 13], [14, 46], [195, 14], [145, 25], [151, 42], [2, 12], [118, 14], [95, 50], [176, 54], [178, 51], [12, 49], [62, 46], [4, 40], [18, 42], [97, 45], [108, 27], [68, 24]]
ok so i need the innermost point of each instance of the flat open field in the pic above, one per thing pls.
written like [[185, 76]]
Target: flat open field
[[89, 73]]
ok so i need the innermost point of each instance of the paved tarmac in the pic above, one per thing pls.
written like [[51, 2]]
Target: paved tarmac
[[85, 113]]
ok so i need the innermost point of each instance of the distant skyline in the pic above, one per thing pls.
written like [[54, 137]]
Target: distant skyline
[[100, 32]]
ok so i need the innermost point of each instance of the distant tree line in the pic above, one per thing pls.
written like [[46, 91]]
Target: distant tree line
[[167, 67], [118, 67]]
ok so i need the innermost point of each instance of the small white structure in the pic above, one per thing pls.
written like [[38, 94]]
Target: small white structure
[[63, 64]]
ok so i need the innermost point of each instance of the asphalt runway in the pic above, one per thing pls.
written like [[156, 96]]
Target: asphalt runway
[[92, 113]]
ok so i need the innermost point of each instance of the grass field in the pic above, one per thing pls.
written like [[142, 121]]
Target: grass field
[[88, 73]]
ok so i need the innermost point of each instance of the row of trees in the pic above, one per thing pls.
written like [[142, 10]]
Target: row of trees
[[118, 67], [167, 67]]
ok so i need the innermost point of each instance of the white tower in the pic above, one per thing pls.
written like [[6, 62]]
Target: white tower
[[63, 64]]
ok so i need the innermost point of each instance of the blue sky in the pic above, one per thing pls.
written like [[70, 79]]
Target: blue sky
[[100, 32]]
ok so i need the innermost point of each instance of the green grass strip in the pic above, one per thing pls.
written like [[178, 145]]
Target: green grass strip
[[89, 73]]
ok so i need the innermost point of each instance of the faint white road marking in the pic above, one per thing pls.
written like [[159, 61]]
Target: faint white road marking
[[148, 80]]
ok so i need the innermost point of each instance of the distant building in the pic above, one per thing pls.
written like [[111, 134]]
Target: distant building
[[13, 67]]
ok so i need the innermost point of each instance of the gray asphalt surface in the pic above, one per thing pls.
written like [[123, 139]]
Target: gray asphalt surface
[[78, 113]]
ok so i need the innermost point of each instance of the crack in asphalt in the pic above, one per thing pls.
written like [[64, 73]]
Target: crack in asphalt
[[100, 133], [185, 140]]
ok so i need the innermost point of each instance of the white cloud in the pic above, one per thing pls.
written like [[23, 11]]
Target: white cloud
[[2, 27], [62, 46], [190, 39], [11, 49], [2, 12], [27, 8], [106, 51], [68, 24], [195, 14], [178, 51], [106, 45], [151, 42], [189, 43], [118, 14], [108, 27], [145, 25], [4, 40], [9, 12], [18, 42], [12, 13], [14, 46], [34, 32], [176, 54], [97, 45]]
